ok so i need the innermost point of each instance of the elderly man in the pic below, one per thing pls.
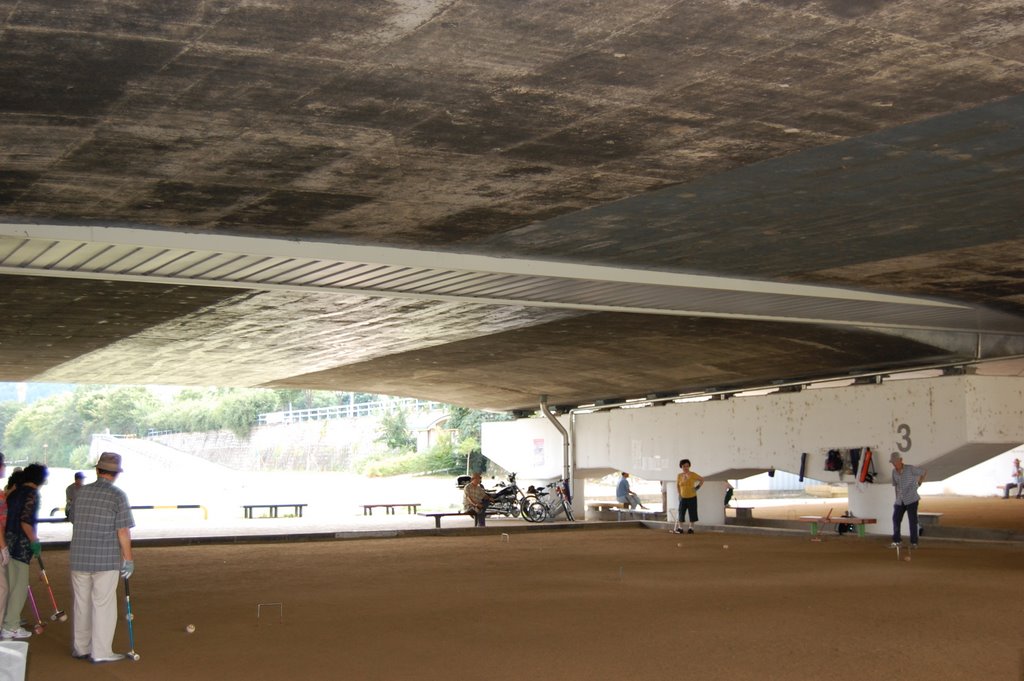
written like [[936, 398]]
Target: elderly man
[[625, 494], [71, 491], [101, 546], [905, 481], [475, 501]]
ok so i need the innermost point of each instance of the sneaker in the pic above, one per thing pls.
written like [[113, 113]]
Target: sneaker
[[82, 656], [689, 531], [116, 657], [20, 632], [677, 531]]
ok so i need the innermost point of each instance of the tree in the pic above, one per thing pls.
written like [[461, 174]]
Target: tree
[[7, 413], [394, 431], [123, 410], [47, 431], [240, 409]]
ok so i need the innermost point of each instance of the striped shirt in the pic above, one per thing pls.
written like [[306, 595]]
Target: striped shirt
[[905, 484], [473, 496], [100, 510]]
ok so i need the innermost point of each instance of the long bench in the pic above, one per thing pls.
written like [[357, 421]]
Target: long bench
[[604, 505], [926, 519], [633, 513], [743, 512], [296, 509], [389, 509], [437, 516], [816, 520]]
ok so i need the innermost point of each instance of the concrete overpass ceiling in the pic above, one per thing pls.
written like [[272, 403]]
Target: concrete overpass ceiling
[[746, 156]]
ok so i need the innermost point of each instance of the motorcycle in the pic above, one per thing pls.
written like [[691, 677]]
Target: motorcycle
[[507, 499]]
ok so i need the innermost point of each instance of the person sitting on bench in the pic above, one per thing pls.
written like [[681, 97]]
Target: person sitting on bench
[[475, 500], [1016, 482], [626, 496]]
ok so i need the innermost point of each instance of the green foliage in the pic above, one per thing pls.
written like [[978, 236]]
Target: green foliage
[[394, 432], [190, 412], [468, 421], [123, 410], [441, 458], [46, 432], [7, 413], [239, 410]]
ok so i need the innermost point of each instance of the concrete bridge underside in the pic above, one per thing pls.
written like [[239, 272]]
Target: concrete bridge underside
[[483, 202]]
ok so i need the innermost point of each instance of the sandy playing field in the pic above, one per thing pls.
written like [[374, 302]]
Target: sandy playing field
[[587, 603]]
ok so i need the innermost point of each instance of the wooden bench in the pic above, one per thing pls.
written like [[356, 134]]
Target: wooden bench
[[389, 508], [743, 512], [816, 520], [296, 509], [437, 516], [632, 513]]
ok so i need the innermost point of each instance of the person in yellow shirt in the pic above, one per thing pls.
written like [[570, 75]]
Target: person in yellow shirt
[[688, 483]]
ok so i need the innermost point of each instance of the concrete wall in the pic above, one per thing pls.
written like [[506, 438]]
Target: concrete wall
[[946, 424]]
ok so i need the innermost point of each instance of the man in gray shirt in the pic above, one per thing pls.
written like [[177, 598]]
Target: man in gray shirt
[[101, 546], [905, 481]]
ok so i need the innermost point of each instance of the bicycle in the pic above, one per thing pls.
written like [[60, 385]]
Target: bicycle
[[545, 508]]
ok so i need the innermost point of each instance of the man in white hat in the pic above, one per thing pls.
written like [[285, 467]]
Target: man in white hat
[[101, 548], [905, 481]]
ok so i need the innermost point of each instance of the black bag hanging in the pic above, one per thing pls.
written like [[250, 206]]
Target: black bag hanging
[[855, 460]]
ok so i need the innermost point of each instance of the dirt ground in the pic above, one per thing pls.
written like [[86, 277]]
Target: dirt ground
[[587, 603]]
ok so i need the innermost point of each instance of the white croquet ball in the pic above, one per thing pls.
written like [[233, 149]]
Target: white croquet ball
[[679, 545], [191, 628], [725, 546]]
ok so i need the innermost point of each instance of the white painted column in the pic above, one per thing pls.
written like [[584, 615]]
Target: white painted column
[[672, 497], [709, 503], [873, 501], [579, 488]]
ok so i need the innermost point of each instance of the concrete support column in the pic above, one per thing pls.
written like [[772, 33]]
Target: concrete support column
[[873, 501], [578, 489], [672, 501], [710, 504]]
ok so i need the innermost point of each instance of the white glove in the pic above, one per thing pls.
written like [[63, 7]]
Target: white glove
[[127, 568], [5, 556]]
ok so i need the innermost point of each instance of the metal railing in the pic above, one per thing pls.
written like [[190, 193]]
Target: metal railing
[[344, 411]]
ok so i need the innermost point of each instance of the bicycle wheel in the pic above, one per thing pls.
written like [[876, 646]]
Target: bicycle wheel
[[568, 511], [535, 512]]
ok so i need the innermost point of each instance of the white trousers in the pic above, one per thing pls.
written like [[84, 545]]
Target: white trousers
[[95, 612]]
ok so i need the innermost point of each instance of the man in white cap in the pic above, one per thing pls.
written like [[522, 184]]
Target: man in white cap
[[101, 548], [905, 481]]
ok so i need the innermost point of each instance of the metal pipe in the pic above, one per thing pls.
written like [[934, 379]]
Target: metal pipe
[[561, 429]]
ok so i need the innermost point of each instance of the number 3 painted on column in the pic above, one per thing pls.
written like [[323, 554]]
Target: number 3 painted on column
[[904, 432]]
